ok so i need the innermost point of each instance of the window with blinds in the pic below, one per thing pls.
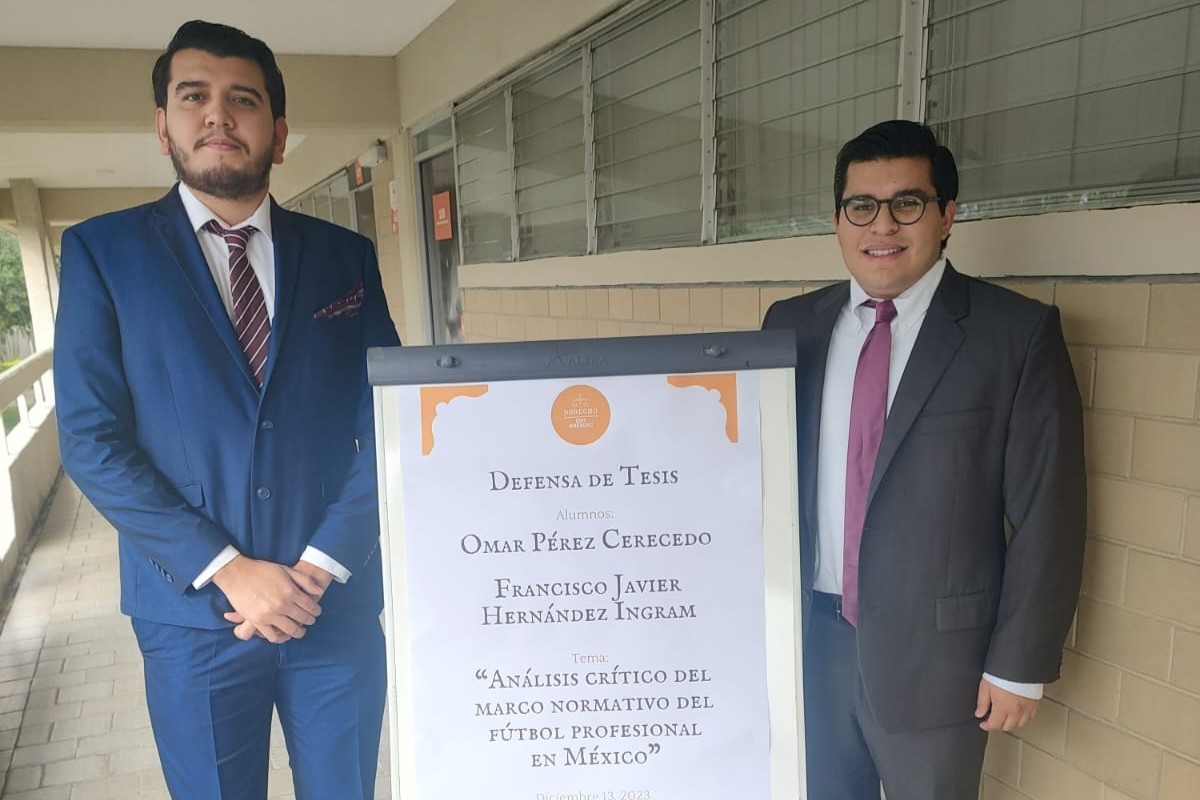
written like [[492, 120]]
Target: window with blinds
[[646, 114], [485, 192], [689, 121], [548, 146], [1050, 105], [793, 82], [342, 200]]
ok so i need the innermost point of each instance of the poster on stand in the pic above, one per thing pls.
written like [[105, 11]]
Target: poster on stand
[[583, 542]]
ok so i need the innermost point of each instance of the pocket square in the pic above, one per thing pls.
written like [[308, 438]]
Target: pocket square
[[347, 305]]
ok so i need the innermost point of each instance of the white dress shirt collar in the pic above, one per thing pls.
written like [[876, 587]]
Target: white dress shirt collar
[[911, 304], [199, 214], [260, 249]]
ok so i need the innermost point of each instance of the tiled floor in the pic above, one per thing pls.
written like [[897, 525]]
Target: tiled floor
[[73, 720]]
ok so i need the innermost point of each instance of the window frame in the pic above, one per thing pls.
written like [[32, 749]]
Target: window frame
[[913, 87]]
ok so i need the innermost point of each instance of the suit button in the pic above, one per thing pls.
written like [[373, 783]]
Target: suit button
[[263, 493], [266, 425]]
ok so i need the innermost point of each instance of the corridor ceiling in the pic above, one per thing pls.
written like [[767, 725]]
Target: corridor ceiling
[[74, 156], [318, 27]]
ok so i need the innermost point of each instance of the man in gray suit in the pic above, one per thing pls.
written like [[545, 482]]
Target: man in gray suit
[[941, 484]]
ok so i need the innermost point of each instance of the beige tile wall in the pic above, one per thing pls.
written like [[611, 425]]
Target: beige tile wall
[[1124, 721], [504, 315]]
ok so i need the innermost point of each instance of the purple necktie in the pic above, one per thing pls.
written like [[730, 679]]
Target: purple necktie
[[250, 320], [868, 411]]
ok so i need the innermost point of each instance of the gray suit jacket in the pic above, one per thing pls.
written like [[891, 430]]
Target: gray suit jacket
[[972, 550]]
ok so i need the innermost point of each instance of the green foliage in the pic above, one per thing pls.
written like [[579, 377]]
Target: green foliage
[[14, 304], [11, 416]]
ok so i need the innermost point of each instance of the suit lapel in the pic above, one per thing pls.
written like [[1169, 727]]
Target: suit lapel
[[180, 239], [812, 352], [288, 240], [936, 344]]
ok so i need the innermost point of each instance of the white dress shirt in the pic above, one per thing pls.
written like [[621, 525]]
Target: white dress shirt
[[260, 249], [850, 331]]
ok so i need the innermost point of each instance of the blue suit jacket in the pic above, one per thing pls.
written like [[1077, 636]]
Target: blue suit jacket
[[163, 429]]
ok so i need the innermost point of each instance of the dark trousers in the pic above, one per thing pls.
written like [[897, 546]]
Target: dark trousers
[[211, 697], [849, 753]]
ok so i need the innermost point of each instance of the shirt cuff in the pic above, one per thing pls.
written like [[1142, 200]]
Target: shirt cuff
[[318, 559], [1031, 690], [227, 554]]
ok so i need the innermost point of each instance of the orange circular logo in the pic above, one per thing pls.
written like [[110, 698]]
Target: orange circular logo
[[580, 414]]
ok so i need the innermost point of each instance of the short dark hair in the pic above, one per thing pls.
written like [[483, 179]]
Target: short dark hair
[[223, 41], [898, 138]]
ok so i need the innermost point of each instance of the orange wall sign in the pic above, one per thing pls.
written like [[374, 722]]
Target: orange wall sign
[[441, 216]]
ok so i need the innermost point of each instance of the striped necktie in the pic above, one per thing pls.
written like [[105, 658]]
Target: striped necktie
[[250, 320]]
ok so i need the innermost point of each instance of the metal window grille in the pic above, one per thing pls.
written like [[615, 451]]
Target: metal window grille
[[485, 180], [677, 117], [794, 81], [1075, 103], [548, 145], [646, 109]]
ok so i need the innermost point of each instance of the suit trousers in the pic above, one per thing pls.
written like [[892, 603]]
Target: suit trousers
[[849, 752], [211, 697]]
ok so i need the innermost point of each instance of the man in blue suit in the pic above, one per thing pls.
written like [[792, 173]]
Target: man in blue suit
[[213, 404]]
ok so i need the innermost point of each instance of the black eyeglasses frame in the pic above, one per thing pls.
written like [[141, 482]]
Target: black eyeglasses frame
[[889, 203]]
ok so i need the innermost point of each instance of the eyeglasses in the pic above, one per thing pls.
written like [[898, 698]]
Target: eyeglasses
[[906, 209]]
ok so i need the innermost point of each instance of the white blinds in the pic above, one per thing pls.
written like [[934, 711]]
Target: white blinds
[[794, 81], [485, 180], [1074, 102], [548, 142], [646, 112]]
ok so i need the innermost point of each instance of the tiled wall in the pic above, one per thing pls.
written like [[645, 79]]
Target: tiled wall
[[1124, 722], [1125, 719], [525, 314]]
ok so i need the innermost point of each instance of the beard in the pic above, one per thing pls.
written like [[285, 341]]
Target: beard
[[223, 181]]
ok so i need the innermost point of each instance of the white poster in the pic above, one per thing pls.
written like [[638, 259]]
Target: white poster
[[584, 571]]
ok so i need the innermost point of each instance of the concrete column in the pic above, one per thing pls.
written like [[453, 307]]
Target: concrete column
[[41, 274]]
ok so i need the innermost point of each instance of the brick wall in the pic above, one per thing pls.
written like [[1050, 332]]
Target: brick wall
[[1125, 719], [507, 315], [1124, 722]]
